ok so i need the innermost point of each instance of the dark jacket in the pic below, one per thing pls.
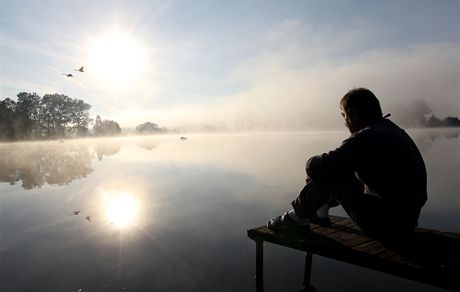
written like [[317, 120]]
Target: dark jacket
[[384, 158]]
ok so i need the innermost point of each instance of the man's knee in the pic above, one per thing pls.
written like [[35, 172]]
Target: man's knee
[[313, 195]]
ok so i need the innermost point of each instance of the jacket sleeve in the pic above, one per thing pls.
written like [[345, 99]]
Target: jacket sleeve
[[335, 163]]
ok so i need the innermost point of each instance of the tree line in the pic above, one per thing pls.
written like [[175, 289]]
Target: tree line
[[56, 116], [151, 128], [426, 117], [51, 116]]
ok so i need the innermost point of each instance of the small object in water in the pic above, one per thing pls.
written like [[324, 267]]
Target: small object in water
[[88, 218], [68, 75], [76, 212], [183, 138], [79, 290], [80, 70]]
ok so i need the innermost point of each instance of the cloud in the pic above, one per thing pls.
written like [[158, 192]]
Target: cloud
[[297, 78]]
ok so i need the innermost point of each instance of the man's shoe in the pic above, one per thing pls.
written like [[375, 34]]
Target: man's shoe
[[284, 223]]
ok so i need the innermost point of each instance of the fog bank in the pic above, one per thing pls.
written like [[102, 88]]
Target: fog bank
[[298, 76]]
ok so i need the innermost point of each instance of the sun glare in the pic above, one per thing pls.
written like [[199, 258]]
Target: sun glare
[[121, 209], [117, 59]]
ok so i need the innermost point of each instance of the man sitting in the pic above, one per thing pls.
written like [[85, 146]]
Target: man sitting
[[377, 175]]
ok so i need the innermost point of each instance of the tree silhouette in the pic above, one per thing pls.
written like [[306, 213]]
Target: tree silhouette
[[150, 128], [106, 127], [8, 118], [54, 115], [28, 105]]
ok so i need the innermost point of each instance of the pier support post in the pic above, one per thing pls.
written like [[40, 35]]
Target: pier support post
[[307, 271], [259, 265]]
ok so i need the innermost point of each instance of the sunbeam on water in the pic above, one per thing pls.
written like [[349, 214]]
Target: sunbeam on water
[[121, 208]]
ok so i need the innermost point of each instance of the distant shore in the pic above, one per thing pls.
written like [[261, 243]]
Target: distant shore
[[129, 133]]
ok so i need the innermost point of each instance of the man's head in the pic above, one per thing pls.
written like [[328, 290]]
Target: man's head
[[360, 108]]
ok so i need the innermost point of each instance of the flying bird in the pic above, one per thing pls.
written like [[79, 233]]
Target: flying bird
[[75, 213], [80, 70], [68, 75], [88, 218]]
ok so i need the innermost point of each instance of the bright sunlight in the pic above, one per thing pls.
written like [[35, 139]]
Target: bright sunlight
[[121, 209], [117, 59]]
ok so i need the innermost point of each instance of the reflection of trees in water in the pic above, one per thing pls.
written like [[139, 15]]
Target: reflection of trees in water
[[147, 144], [106, 149], [425, 138], [36, 165]]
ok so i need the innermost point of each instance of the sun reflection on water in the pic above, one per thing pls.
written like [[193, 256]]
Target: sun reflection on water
[[121, 208]]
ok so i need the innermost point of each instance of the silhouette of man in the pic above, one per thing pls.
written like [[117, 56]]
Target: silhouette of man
[[377, 175]]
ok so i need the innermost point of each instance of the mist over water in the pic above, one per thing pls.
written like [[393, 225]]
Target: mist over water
[[171, 215], [294, 84]]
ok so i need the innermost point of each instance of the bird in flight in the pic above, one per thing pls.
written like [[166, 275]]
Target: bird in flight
[[68, 75], [75, 213], [80, 70], [88, 218]]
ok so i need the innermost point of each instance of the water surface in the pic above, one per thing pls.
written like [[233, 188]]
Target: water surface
[[164, 214]]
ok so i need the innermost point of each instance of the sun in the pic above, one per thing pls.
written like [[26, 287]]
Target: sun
[[121, 209], [117, 59]]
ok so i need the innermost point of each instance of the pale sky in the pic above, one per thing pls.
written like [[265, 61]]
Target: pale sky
[[236, 64]]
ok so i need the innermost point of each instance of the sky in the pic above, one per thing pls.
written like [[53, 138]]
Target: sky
[[235, 65]]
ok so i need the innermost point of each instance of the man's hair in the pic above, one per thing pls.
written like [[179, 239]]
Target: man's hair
[[364, 102]]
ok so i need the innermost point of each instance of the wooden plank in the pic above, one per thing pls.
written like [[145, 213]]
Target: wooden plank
[[372, 247], [352, 240], [314, 226], [349, 234], [348, 225], [338, 237], [325, 230], [337, 219], [429, 256]]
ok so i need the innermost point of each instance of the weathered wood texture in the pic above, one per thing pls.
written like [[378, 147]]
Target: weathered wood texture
[[427, 256]]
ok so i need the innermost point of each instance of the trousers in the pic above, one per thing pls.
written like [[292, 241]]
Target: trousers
[[373, 214]]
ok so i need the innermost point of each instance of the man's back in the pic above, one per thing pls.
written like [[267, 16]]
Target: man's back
[[388, 162]]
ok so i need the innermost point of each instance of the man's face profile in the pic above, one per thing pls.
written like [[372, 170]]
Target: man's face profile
[[345, 117], [349, 123]]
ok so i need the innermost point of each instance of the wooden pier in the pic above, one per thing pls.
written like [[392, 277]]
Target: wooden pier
[[427, 256]]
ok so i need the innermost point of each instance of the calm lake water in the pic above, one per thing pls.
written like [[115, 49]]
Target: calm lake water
[[164, 214]]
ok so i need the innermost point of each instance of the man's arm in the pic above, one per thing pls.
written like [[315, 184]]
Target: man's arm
[[336, 163]]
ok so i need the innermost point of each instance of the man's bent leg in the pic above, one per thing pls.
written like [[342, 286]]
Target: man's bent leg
[[312, 197], [349, 192], [370, 212]]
